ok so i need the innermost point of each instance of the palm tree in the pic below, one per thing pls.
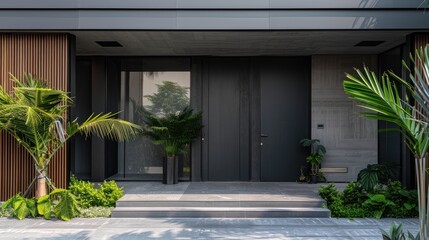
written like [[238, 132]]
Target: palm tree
[[384, 102], [33, 114]]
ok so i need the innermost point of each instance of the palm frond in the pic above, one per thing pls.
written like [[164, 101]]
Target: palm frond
[[385, 102], [105, 126]]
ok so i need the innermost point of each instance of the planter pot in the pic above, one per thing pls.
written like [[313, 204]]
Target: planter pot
[[314, 179], [170, 171], [176, 170]]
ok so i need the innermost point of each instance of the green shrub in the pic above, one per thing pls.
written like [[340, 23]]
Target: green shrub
[[84, 191], [406, 200], [377, 204], [329, 193], [105, 195], [354, 193], [111, 193], [391, 200]]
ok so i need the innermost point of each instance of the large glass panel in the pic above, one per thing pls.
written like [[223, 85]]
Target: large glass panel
[[160, 92]]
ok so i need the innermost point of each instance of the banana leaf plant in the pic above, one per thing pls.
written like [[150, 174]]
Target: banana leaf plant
[[384, 101], [34, 115]]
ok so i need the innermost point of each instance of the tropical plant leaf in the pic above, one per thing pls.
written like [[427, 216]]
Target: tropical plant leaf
[[44, 205], [105, 126], [8, 203], [24, 207], [395, 233], [173, 131], [67, 207]]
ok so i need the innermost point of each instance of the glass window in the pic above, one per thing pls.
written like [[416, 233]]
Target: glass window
[[160, 92]]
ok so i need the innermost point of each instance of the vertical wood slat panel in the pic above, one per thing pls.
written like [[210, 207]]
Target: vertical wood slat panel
[[420, 41], [46, 57]]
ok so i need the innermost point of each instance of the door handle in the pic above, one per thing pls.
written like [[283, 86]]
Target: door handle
[[264, 135]]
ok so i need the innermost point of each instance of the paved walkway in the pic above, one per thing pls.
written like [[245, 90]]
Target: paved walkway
[[221, 191], [199, 228]]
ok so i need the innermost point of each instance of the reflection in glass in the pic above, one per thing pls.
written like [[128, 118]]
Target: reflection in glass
[[161, 93]]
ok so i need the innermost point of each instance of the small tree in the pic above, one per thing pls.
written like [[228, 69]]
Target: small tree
[[33, 114], [170, 98]]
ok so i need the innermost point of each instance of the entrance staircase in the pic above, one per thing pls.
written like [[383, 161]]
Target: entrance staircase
[[210, 200]]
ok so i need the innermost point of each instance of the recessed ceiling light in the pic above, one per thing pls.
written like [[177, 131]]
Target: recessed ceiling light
[[108, 43], [369, 43]]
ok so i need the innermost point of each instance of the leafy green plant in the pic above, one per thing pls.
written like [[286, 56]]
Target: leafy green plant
[[396, 232], [85, 192], [44, 206], [317, 152], [375, 174], [22, 207], [87, 195], [33, 113], [390, 200], [329, 193], [378, 204], [353, 193], [67, 207], [111, 193], [173, 131], [60, 202]]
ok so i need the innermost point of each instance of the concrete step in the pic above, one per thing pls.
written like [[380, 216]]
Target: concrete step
[[282, 204], [220, 212]]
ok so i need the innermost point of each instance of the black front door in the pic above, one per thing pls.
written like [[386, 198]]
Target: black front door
[[226, 119], [285, 116]]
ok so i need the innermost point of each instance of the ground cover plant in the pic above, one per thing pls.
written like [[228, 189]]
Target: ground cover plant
[[82, 199], [391, 201]]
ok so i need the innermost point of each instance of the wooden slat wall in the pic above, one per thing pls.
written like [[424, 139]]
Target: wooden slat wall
[[421, 39], [44, 56]]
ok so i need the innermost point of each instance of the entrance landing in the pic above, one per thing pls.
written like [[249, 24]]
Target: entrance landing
[[220, 199]]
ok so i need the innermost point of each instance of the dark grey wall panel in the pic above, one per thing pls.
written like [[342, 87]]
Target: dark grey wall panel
[[98, 103], [133, 19], [196, 104], [40, 19], [285, 116], [212, 19], [223, 19], [82, 108], [390, 143], [224, 4], [226, 155], [348, 19]]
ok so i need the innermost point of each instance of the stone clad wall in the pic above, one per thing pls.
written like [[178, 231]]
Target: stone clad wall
[[351, 141]]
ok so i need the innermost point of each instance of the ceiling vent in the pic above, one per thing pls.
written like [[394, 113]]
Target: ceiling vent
[[369, 43], [108, 43]]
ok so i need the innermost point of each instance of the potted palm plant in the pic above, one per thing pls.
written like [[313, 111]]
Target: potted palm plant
[[173, 132], [315, 158]]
